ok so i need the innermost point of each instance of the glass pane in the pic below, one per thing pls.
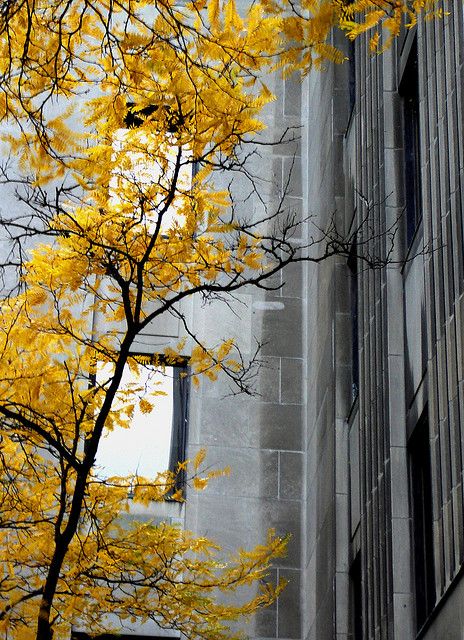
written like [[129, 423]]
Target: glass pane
[[143, 449], [145, 172]]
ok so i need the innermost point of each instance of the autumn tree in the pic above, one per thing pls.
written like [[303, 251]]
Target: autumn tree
[[118, 119]]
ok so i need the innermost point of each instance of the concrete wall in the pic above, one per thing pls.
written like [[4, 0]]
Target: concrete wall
[[260, 436], [327, 366]]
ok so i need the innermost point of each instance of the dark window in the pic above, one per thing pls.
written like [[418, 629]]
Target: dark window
[[355, 494], [409, 91], [352, 73], [353, 268], [356, 620], [422, 520], [178, 453]]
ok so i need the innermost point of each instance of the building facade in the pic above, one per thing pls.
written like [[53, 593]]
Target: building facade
[[383, 345], [354, 441], [355, 445]]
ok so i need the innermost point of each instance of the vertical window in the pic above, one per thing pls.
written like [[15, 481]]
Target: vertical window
[[422, 520], [145, 164], [356, 620], [143, 176], [353, 269], [354, 464], [409, 91], [352, 73], [180, 403], [156, 441]]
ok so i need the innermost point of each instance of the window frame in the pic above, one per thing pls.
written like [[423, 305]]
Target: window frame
[[180, 410], [408, 90]]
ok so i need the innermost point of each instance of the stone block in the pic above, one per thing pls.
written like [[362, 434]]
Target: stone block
[[280, 328], [289, 616], [403, 615], [291, 184], [290, 475], [247, 422], [244, 522], [219, 321], [292, 279], [400, 484], [292, 95], [401, 555], [268, 383], [281, 427], [291, 371], [253, 473]]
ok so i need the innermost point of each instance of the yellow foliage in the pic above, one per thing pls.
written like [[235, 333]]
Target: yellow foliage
[[199, 458], [200, 483], [145, 406]]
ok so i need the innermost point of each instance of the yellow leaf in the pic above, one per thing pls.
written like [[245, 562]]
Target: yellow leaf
[[178, 496], [199, 458], [200, 483], [213, 14], [145, 406]]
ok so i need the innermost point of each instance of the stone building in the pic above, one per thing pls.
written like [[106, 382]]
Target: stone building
[[382, 553], [356, 444]]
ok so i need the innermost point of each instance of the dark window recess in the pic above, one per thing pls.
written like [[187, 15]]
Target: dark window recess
[[409, 91], [135, 117], [196, 166], [353, 268], [355, 493], [422, 524], [356, 619], [181, 386], [352, 73]]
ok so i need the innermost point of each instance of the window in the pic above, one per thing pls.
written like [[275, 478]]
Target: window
[[354, 470], [144, 176], [422, 520], [353, 276], [356, 619], [145, 166], [156, 441], [352, 73], [409, 91]]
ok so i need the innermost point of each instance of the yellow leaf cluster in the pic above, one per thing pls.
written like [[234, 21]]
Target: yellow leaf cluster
[[175, 573]]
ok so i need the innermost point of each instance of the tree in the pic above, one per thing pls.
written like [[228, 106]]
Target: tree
[[110, 227]]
